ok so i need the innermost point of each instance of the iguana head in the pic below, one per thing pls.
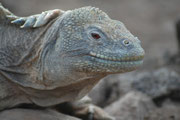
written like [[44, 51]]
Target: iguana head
[[93, 42], [88, 43]]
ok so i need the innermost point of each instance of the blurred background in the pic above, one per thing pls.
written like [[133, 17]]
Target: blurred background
[[152, 92]]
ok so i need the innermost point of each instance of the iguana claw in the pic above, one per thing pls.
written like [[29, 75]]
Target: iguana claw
[[18, 21], [12, 17], [29, 22], [96, 113]]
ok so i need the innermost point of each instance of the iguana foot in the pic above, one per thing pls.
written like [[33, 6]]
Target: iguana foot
[[35, 21], [92, 112], [85, 110]]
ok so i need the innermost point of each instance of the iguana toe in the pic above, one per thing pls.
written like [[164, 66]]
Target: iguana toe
[[46, 16], [35, 21], [19, 21], [96, 113], [92, 112], [12, 17], [29, 22], [40, 20], [53, 14]]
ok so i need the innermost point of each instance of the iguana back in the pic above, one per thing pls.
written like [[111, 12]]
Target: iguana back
[[18, 48], [16, 44]]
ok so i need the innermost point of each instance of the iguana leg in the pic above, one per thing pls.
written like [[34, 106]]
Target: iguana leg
[[85, 110], [35, 21]]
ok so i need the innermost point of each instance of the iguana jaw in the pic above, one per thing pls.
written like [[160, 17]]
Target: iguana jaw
[[98, 63], [112, 67], [117, 59]]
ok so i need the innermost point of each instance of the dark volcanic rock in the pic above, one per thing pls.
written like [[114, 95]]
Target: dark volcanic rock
[[30, 114]]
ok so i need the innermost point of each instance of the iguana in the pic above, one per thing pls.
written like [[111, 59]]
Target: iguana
[[58, 56]]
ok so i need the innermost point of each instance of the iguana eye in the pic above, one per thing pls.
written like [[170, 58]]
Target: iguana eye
[[95, 36]]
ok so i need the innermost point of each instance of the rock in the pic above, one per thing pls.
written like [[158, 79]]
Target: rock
[[133, 106], [159, 84], [112, 88], [168, 111], [178, 34], [138, 106], [30, 114]]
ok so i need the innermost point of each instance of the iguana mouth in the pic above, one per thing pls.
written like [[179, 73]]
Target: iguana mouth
[[117, 59]]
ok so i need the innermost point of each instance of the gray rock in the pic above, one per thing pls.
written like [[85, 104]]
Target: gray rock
[[138, 106], [168, 111], [30, 114], [133, 106], [178, 34], [159, 84], [111, 89]]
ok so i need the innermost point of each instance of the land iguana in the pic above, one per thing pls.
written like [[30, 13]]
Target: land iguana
[[59, 56]]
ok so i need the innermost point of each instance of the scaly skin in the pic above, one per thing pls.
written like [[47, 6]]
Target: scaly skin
[[75, 50], [116, 51]]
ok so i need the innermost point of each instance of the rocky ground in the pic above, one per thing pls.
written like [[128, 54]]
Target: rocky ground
[[148, 95], [152, 92]]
